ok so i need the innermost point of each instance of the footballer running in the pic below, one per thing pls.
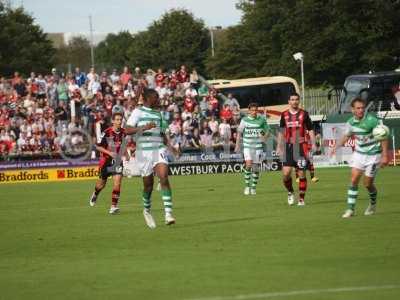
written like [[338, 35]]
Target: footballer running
[[368, 156], [110, 164]]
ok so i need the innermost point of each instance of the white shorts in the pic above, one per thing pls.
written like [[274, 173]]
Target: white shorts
[[367, 163], [147, 160], [255, 155]]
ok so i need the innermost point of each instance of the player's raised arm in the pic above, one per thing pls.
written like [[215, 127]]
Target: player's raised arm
[[139, 129]]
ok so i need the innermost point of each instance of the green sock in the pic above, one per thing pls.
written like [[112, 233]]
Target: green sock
[[372, 197], [166, 196], [247, 176], [254, 181], [352, 194], [146, 197]]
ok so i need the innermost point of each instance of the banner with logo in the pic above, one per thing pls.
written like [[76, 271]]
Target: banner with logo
[[45, 175]]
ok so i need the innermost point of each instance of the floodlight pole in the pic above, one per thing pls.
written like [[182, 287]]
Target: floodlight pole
[[212, 41], [302, 78], [91, 41]]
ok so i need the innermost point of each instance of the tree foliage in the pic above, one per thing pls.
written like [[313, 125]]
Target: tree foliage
[[23, 45], [176, 38], [75, 54], [337, 38], [113, 50]]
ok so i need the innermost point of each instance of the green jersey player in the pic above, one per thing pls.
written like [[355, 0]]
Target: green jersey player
[[151, 153], [253, 131], [368, 156]]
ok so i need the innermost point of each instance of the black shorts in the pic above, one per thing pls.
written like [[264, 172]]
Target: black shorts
[[110, 168], [296, 156]]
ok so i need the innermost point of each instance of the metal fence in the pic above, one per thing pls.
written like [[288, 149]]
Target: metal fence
[[322, 102]]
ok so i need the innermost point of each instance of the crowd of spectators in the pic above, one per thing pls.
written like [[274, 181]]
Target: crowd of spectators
[[36, 113]]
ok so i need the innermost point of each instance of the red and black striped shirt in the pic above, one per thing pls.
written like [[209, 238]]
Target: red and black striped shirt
[[112, 141], [295, 126]]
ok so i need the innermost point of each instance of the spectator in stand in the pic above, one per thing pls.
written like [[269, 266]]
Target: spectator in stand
[[231, 102], [160, 78], [137, 76], [61, 116], [114, 77], [203, 107], [19, 86], [23, 142], [125, 77], [176, 126], [79, 77], [91, 77], [151, 80], [173, 80], [206, 138], [52, 93], [186, 114], [194, 141], [226, 113], [224, 131], [191, 92], [62, 91], [214, 103], [187, 128], [203, 90], [183, 76], [189, 103], [194, 79], [213, 124], [42, 87], [95, 86]]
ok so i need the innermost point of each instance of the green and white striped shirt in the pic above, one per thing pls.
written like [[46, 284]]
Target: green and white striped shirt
[[253, 130], [150, 139], [362, 131]]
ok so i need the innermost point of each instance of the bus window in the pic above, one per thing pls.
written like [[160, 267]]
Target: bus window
[[264, 95]]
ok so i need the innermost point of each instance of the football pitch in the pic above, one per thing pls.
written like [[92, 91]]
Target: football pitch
[[224, 245]]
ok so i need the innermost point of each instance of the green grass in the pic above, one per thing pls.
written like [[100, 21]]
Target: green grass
[[54, 246]]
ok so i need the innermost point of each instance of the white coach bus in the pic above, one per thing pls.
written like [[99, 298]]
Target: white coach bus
[[271, 93]]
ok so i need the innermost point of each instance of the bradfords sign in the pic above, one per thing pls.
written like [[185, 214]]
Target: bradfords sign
[[46, 175]]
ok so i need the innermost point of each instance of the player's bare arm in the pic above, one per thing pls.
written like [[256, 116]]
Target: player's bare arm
[[385, 157], [312, 139], [279, 145], [105, 151], [238, 141]]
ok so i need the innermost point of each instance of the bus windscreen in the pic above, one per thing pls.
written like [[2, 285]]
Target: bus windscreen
[[264, 95]]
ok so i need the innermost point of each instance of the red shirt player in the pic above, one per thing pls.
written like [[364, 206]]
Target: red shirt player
[[111, 148], [293, 146]]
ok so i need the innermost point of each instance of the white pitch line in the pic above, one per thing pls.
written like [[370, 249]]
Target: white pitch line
[[301, 292]]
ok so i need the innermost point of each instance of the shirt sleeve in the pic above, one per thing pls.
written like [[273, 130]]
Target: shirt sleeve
[[133, 119], [373, 122], [265, 126]]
